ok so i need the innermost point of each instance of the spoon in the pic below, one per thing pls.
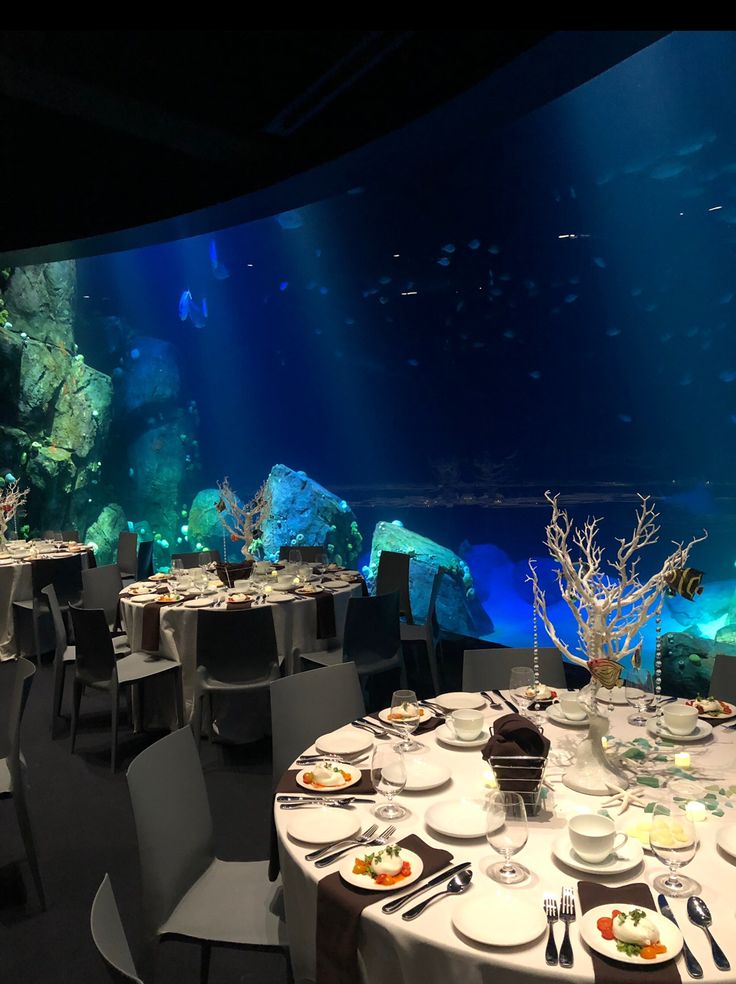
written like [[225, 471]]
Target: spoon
[[455, 886], [699, 914]]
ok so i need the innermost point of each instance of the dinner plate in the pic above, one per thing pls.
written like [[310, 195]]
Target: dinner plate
[[627, 857], [310, 591], [344, 767], [335, 585], [199, 602], [464, 818], [669, 935], [345, 741], [716, 717], [143, 598], [726, 839], [279, 596], [702, 730], [322, 824], [616, 696], [555, 714], [495, 921], [423, 773], [425, 714], [459, 701], [444, 735], [364, 881]]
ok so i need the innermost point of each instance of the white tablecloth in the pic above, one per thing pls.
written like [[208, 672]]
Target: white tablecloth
[[429, 951]]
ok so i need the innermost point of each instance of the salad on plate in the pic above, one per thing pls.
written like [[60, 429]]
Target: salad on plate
[[385, 867], [711, 706], [635, 934]]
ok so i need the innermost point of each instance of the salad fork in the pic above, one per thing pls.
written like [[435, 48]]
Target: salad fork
[[379, 841], [567, 914], [550, 907], [360, 839]]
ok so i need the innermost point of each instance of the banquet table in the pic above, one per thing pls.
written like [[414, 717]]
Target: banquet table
[[429, 950]]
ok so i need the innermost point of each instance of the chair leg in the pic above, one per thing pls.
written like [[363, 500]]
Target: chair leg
[[36, 635], [129, 705], [59, 678], [19, 799], [115, 695], [204, 963], [78, 692], [211, 724], [178, 697], [197, 717]]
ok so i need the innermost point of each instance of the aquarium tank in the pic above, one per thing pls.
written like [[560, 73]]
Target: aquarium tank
[[410, 364]]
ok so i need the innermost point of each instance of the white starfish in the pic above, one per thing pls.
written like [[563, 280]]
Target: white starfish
[[626, 797]]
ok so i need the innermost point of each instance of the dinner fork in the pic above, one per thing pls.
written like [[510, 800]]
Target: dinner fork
[[550, 907], [379, 841], [360, 839], [567, 915]]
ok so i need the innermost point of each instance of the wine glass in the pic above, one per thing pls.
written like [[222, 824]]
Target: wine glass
[[521, 680], [295, 556], [405, 718], [639, 688], [388, 774], [674, 841], [506, 832]]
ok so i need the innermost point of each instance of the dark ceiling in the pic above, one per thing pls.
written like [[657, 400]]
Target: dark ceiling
[[108, 130]]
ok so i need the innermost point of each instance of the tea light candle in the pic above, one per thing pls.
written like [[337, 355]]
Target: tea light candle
[[695, 811], [682, 760], [604, 742], [489, 779]]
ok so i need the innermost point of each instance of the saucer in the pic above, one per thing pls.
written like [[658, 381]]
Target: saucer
[[444, 735], [555, 714], [701, 730], [630, 857]]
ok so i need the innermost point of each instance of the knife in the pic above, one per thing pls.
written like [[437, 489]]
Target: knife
[[693, 967], [511, 707], [395, 904]]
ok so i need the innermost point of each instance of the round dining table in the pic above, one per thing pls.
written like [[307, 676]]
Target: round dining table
[[429, 950]]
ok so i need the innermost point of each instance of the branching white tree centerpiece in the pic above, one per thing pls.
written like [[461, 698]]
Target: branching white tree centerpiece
[[243, 521], [611, 603], [12, 497]]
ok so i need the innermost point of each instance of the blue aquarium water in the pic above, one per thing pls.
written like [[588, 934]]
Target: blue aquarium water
[[554, 310]]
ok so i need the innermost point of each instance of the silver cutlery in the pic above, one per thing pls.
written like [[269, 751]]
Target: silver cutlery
[[511, 706], [456, 886], [322, 799], [494, 703], [395, 904], [699, 914], [550, 908], [693, 967], [567, 915], [347, 759], [360, 839], [379, 841], [311, 806], [436, 708], [376, 732]]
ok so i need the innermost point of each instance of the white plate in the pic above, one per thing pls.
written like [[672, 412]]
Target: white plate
[[277, 596], [143, 598], [322, 825], [615, 696], [669, 935], [631, 850], [364, 881], [199, 603], [702, 730], [726, 839], [355, 773], [311, 591], [495, 921], [458, 701], [718, 717], [447, 738], [335, 585], [425, 714], [458, 818], [344, 742], [555, 714], [423, 773]]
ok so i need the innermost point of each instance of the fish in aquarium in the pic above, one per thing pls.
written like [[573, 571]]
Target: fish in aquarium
[[219, 270], [188, 308], [687, 582]]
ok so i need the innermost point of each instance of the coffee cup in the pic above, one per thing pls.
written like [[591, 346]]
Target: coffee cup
[[594, 837], [680, 719], [570, 706], [465, 724]]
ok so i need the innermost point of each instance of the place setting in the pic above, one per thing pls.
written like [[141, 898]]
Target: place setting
[[679, 723]]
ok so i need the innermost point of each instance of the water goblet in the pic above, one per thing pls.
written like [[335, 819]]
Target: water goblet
[[673, 839], [405, 718], [388, 774], [506, 832], [295, 556], [638, 689], [521, 684]]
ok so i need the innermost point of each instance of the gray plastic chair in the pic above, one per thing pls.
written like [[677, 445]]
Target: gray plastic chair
[[108, 935], [96, 666], [723, 678], [16, 678], [428, 631], [197, 558], [188, 892], [128, 555], [144, 567], [489, 669], [101, 587], [308, 705], [310, 554], [236, 654], [65, 573], [393, 575]]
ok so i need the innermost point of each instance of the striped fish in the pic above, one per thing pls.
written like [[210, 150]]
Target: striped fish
[[686, 582], [605, 671]]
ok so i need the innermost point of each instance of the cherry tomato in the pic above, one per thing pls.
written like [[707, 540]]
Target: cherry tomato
[[607, 934], [605, 922], [648, 953], [616, 912], [405, 869]]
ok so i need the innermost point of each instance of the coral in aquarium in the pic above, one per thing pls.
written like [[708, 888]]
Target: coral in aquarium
[[243, 520], [12, 498]]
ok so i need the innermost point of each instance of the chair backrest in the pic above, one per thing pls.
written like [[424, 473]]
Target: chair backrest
[[372, 629], [65, 573], [52, 534], [109, 936], [485, 669], [723, 678], [145, 560], [95, 652], [16, 677], [101, 587], [128, 553], [393, 575], [61, 640], [432, 606], [196, 559], [173, 822], [71, 536], [307, 705], [310, 554], [237, 646]]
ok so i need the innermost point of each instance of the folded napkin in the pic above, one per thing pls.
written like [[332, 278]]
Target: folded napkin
[[339, 907], [608, 971], [515, 735], [151, 629]]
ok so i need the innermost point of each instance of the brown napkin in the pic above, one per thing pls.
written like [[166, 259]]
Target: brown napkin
[[608, 971], [514, 735], [151, 630], [326, 628], [235, 606], [339, 907]]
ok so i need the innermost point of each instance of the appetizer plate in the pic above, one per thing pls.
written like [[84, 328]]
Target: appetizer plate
[[159, 577], [199, 602], [491, 920], [345, 741], [365, 881], [702, 730], [425, 714], [343, 766], [423, 773], [168, 599], [464, 818], [631, 854], [669, 935], [279, 596], [726, 839], [143, 598], [705, 716], [335, 585], [309, 590], [444, 735], [555, 714], [458, 701], [322, 825], [616, 696]]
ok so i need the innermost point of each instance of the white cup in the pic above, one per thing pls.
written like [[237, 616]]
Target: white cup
[[594, 837], [569, 703], [465, 724], [680, 719]]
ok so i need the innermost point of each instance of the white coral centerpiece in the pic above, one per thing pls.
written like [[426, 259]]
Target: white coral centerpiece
[[12, 497], [243, 521]]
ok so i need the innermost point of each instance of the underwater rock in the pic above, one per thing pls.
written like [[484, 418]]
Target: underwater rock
[[302, 507], [157, 458], [42, 374], [457, 608], [51, 476], [687, 662], [82, 410], [718, 599], [727, 633], [104, 532], [204, 526], [11, 349], [152, 377], [40, 301]]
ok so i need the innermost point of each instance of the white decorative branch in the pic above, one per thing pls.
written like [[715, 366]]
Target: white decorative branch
[[243, 521], [11, 499]]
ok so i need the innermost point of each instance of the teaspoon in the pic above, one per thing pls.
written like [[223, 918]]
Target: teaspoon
[[699, 913], [456, 886]]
